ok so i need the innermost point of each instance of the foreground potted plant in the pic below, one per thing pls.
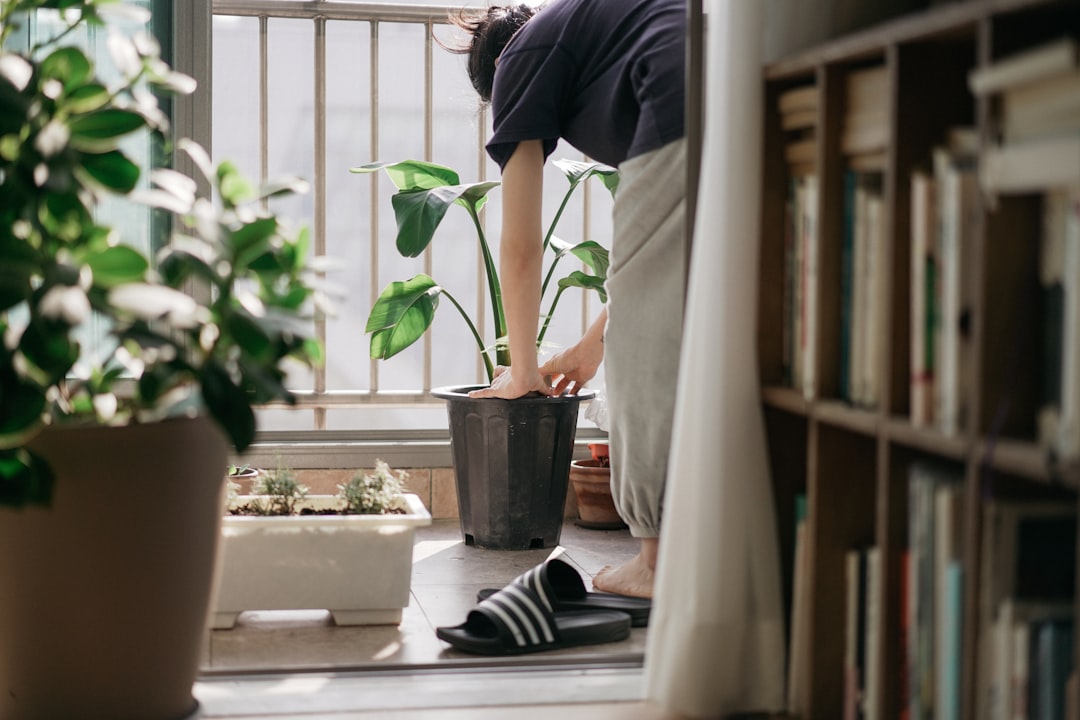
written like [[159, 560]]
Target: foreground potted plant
[[511, 484], [111, 453], [350, 553]]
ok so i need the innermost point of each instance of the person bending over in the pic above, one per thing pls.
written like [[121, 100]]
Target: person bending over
[[607, 77]]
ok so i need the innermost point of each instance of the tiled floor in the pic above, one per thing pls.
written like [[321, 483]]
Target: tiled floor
[[272, 663]]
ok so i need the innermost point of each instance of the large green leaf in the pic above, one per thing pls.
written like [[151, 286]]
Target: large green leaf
[[86, 98], [410, 175], [401, 315], [117, 265], [233, 186], [582, 280], [105, 124], [228, 405], [25, 478], [50, 349], [577, 171], [420, 212], [22, 410], [18, 267], [251, 338], [252, 233], [594, 255], [112, 169], [68, 65]]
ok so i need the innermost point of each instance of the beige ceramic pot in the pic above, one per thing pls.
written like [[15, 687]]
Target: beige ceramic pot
[[105, 595]]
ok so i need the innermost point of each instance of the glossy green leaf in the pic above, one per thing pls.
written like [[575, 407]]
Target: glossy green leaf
[[578, 279], [22, 410], [105, 124], [577, 171], [253, 232], [117, 265], [412, 175], [251, 338], [401, 315], [594, 255], [112, 169], [229, 405], [420, 212], [68, 65], [86, 98], [25, 479], [50, 350], [19, 265], [235, 189]]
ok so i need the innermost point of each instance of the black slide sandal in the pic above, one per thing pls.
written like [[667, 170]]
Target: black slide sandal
[[565, 590], [515, 620]]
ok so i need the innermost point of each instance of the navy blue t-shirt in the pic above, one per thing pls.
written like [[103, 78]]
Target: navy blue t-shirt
[[605, 75]]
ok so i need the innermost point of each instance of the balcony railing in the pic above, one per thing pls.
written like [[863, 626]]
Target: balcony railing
[[313, 88]]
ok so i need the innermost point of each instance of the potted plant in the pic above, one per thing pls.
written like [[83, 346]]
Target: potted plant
[[511, 485], [111, 453], [591, 480], [350, 553]]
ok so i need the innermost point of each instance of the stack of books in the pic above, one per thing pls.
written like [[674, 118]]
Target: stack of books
[[798, 109], [1036, 151]]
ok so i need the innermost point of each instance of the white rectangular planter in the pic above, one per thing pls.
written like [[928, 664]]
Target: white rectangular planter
[[359, 567]]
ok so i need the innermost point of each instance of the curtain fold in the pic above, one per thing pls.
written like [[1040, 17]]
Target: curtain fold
[[716, 636]]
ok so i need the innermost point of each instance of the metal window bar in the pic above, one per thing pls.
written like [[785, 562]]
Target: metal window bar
[[319, 400]]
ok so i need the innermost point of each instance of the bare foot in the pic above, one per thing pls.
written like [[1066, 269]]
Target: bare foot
[[633, 578]]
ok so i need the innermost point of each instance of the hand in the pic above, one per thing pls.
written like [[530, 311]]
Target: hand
[[574, 366], [509, 386]]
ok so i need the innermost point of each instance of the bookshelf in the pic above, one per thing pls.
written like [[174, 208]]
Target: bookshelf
[[908, 400]]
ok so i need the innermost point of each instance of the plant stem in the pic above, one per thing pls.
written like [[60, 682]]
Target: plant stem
[[476, 335], [495, 290], [558, 215], [550, 274], [547, 318]]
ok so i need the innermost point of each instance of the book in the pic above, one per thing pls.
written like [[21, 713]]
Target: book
[[796, 688], [1046, 107], [800, 151], [1067, 443], [854, 632], [948, 535], [924, 479], [799, 119], [957, 212], [1052, 661], [1052, 296], [1005, 657], [923, 304], [949, 691], [804, 97], [872, 635], [809, 231], [1036, 63], [1032, 166]]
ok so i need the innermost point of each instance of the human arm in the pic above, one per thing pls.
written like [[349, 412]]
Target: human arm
[[577, 364], [520, 265]]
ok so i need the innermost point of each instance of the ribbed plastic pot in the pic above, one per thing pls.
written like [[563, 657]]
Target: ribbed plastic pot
[[512, 461]]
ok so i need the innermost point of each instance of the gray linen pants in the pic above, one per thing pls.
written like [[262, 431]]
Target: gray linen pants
[[646, 286]]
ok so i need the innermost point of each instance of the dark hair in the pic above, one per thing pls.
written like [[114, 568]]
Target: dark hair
[[490, 30]]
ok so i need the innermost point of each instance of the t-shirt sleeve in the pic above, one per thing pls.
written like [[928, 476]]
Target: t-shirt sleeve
[[527, 99]]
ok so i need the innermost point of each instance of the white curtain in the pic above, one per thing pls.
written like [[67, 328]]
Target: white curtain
[[716, 636]]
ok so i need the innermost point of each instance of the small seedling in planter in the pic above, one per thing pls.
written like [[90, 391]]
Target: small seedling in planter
[[279, 492], [375, 493]]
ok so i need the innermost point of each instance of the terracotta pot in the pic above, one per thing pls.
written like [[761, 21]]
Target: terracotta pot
[[106, 594], [592, 488]]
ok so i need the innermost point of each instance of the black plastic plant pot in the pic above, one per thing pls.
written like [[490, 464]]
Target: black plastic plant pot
[[512, 460]]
